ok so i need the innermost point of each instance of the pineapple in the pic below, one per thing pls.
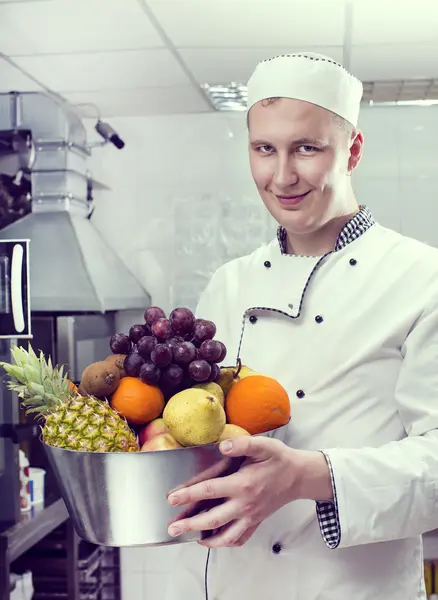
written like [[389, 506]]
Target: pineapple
[[71, 421]]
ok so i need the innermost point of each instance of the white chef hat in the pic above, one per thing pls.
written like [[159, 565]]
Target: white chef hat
[[310, 77]]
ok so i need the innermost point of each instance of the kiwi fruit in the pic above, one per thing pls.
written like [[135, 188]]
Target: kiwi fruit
[[100, 379], [117, 360]]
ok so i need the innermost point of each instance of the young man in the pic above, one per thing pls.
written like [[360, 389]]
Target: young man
[[344, 313]]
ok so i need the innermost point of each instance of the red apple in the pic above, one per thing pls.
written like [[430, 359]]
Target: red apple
[[151, 430], [160, 442]]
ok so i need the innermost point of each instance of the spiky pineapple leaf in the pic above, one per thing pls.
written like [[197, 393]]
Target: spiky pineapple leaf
[[72, 421], [40, 386]]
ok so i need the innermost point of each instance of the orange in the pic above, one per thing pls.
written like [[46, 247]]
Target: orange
[[72, 386], [258, 404], [138, 402]]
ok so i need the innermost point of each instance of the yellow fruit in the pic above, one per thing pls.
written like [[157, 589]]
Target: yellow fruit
[[214, 389], [232, 431], [226, 379], [246, 372], [194, 417], [231, 375]]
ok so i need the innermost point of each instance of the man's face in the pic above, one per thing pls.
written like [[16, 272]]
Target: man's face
[[300, 157]]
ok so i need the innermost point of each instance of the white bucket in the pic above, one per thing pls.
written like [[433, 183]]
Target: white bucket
[[36, 481]]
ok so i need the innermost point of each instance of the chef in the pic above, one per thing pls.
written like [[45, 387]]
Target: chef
[[344, 313]]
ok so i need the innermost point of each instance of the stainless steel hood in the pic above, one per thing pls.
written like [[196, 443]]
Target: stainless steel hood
[[72, 268]]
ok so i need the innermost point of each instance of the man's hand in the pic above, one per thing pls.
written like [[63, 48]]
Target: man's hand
[[271, 476]]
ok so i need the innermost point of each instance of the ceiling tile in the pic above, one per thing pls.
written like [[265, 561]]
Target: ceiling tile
[[394, 61], [22, 1], [75, 26], [225, 65], [392, 21], [11, 79], [105, 70], [143, 102], [251, 23]]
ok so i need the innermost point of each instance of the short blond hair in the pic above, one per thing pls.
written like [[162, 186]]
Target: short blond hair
[[339, 121]]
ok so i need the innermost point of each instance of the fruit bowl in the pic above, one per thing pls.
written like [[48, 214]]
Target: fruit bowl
[[119, 498], [146, 420]]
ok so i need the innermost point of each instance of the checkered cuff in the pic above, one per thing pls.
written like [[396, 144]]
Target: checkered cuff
[[328, 515]]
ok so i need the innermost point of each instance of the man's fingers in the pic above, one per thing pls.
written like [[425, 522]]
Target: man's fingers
[[222, 487], [235, 534], [208, 521], [216, 470], [247, 535], [195, 508], [257, 448]]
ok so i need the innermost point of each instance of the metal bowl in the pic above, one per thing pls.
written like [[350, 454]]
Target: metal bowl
[[120, 498]]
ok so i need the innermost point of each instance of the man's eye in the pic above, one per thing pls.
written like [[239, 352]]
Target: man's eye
[[265, 149], [307, 149]]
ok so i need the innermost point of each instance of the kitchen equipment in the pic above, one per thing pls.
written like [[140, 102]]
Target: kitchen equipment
[[60, 155], [14, 289], [17, 151], [96, 568], [15, 326], [40, 113], [80, 286], [85, 273], [119, 498], [58, 184]]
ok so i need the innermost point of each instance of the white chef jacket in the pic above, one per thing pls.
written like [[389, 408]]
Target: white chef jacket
[[353, 337]]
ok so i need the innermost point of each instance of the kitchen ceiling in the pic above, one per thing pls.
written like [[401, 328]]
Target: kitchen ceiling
[[146, 57]]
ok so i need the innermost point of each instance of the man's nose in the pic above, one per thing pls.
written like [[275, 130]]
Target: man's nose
[[285, 174]]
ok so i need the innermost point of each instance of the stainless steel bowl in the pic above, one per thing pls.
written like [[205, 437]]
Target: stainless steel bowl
[[120, 499]]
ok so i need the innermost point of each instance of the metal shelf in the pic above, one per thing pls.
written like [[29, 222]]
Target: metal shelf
[[32, 528]]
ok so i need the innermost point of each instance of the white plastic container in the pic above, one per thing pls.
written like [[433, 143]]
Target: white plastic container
[[37, 477], [25, 496], [23, 587]]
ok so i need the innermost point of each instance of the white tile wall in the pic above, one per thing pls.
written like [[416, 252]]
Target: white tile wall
[[181, 191], [144, 571]]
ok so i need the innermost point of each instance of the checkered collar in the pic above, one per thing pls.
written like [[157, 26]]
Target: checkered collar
[[352, 230]]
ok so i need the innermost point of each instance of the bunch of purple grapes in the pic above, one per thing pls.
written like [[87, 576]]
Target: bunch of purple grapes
[[174, 353]]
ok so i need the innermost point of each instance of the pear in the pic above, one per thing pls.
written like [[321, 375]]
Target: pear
[[246, 372], [214, 389], [231, 375], [232, 431], [226, 379], [194, 417]]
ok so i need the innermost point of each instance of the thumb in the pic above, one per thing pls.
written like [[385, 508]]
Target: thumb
[[258, 448]]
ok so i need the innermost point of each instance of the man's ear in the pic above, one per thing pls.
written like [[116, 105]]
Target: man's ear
[[356, 149]]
